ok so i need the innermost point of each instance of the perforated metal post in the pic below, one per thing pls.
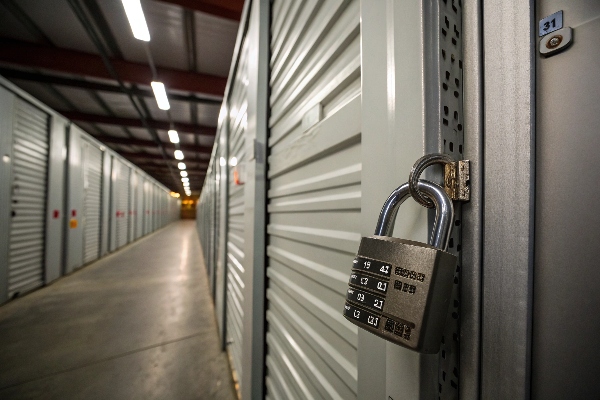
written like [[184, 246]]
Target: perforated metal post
[[451, 143]]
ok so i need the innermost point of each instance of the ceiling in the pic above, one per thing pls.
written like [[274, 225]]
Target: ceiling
[[80, 58]]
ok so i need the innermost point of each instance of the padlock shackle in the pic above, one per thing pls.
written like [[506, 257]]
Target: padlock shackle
[[444, 212]]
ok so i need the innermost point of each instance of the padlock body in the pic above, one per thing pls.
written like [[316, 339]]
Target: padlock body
[[400, 290]]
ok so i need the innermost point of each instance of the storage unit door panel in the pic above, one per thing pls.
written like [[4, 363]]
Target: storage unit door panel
[[92, 201], [122, 203], [28, 200], [235, 235], [132, 214], [314, 198]]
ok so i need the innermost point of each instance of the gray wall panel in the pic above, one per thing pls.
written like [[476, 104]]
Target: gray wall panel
[[75, 201], [566, 286], [56, 201]]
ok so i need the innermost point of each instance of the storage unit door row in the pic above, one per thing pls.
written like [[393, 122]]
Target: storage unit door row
[[92, 201]]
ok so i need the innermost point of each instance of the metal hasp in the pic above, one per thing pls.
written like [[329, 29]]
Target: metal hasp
[[400, 289], [456, 180]]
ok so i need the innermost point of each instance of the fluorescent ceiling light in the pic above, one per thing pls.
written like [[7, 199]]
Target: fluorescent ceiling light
[[185, 179], [173, 136], [222, 161], [135, 15], [186, 184], [183, 173], [161, 95], [233, 162], [179, 154], [181, 165]]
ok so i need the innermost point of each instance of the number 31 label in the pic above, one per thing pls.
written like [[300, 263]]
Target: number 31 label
[[551, 23]]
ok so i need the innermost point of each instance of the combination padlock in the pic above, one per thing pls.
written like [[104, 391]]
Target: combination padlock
[[400, 289]]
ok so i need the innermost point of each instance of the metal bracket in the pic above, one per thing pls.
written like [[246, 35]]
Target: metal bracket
[[456, 180]]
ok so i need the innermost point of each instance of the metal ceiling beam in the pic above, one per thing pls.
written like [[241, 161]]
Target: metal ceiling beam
[[231, 9], [140, 156], [191, 164], [191, 174], [151, 143], [91, 65], [102, 87], [136, 123]]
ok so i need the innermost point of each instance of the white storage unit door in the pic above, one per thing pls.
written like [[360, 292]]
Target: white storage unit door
[[92, 200], [132, 214], [28, 200], [237, 121], [147, 207], [122, 202], [314, 198]]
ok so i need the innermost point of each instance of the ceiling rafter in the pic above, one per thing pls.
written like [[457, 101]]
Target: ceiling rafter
[[101, 87], [136, 123], [191, 164], [91, 65], [150, 143], [231, 9], [140, 155]]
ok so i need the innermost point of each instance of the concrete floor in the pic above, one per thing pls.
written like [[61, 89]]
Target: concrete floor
[[138, 324]]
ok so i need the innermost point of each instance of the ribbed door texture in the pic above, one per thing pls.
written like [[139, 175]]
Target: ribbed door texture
[[132, 214], [122, 202], [237, 121], [28, 200], [92, 200], [313, 199]]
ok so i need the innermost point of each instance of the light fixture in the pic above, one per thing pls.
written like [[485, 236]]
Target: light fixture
[[179, 154], [181, 165], [183, 173], [161, 95], [186, 184], [135, 15], [173, 136], [222, 161], [185, 179], [233, 162]]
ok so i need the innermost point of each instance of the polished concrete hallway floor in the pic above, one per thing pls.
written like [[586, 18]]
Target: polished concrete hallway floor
[[138, 324]]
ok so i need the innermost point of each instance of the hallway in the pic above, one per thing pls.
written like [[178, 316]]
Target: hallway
[[137, 324]]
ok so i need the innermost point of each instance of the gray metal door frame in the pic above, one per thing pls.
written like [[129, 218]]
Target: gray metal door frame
[[508, 198]]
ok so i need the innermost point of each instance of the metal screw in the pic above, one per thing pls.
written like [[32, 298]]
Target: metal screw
[[554, 42]]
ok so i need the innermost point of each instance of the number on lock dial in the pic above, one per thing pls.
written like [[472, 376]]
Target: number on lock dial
[[368, 282], [364, 298]]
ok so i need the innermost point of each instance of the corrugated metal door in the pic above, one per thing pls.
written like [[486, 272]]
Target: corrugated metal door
[[314, 198], [28, 200], [122, 202], [140, 208], [237, 121], [132, 214], [92, 200]]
